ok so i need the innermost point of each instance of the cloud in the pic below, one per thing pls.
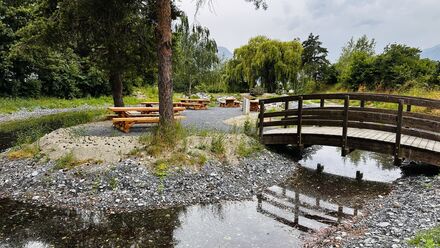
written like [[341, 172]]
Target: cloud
[[388, 21]]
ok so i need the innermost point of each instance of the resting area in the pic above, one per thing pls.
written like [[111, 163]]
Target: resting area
[[127, 117]]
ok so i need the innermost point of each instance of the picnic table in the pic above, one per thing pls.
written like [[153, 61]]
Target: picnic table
[[129, 116], [230, 102], [254, 105], [152, 104], [196, 104]]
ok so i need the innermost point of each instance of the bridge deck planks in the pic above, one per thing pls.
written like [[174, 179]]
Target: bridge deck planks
[[383, 136]]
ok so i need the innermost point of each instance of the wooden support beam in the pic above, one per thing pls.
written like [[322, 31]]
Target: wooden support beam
[[299, 126], [397, 157], [286, 107], [261, 120], [345, 125]]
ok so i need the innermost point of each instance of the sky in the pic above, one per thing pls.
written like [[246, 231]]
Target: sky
[[233, 22]]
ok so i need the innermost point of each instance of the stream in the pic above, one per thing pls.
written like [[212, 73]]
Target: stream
[[279, 216]]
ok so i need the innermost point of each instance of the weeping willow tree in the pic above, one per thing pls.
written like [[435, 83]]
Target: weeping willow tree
[[272, 63]]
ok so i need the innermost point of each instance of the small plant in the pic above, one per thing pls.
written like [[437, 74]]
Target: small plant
[[161, 169], [164, 138], [245, 149], [256, 91], [427, 239], [67, 161], [113, 183], [217, 144]]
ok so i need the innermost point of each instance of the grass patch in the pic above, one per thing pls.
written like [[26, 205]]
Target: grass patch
[[11, 105], [247, 148], [217, 144], [24, 152], [29, 130], [164, 139], [427, 239], [67, 161]]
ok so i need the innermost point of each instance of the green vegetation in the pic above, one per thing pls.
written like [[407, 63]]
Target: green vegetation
[[247, 148], [427, 239], [67, 161], [30, 130], [25, 152], [217, 144]]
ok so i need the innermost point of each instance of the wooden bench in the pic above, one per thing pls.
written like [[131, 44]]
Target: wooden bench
[[195, 104], [125, 123], [138, 111], [152, 104], [230, 103]]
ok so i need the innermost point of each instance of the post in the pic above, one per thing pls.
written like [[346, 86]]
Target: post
[[345, 149], [261, 122], [362, 103], [408, 108], [321, 105], [286, 107], [399, 121], [299, 126]]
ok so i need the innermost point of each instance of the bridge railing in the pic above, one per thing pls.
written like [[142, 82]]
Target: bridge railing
[[351, 110]]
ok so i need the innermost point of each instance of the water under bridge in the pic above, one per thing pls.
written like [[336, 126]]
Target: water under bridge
[[406, 127]]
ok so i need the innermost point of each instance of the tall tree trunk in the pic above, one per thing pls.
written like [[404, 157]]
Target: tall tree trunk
[[164, 51], [116, 82]]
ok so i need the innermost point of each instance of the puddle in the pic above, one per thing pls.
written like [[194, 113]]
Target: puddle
[[280, 216], [374, 166]]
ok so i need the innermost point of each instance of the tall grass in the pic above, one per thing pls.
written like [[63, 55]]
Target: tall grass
[[30, 130]]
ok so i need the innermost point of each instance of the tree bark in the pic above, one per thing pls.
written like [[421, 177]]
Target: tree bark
[[164, 51], [116, 82]]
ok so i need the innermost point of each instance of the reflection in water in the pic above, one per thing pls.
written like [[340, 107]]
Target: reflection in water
[[276, 218], [374, 166], [310, 201]]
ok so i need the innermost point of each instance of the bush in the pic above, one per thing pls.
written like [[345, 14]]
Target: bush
[[256, 91]]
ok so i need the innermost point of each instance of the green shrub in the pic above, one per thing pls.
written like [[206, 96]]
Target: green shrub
[[256, 91], [427, 239], [217, 144]]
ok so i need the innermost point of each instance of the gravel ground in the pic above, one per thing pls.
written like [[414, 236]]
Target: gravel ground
[[210, 119], [128, 186], [413, 205], [38, 112]]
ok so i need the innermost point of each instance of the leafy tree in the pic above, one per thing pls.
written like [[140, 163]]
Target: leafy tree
[[314, 58], [274, 64], [196, 56], [399, 64], [362, 47]]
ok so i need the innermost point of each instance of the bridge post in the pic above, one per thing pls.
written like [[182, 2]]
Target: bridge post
[[345, 149], [397, 158], [299, 126], [261, 120], [286, 107], [322, 103]]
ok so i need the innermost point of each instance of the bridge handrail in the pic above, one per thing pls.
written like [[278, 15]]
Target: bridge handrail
[[407, 100], [398, 121]]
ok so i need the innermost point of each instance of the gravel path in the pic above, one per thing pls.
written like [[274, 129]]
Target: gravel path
[[210, 119], [413, 205]]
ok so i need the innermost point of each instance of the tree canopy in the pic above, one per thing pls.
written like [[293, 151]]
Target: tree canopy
[[272, 63]]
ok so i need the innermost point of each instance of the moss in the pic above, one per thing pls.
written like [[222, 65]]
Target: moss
[[427, 239]]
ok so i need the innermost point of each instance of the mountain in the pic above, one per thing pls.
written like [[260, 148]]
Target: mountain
[[432, 53], [224, 53]]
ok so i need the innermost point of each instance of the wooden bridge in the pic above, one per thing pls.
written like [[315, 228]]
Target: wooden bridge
[[349, 121]]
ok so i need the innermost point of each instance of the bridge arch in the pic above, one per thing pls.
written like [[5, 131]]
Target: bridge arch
[[356, 121]]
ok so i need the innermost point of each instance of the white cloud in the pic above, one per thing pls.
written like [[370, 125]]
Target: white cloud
[[234, 22]]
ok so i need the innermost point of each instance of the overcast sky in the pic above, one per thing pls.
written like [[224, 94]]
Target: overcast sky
[[234, 22]]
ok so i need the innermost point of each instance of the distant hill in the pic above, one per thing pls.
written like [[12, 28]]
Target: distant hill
[[224, 53], [432, 53]]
